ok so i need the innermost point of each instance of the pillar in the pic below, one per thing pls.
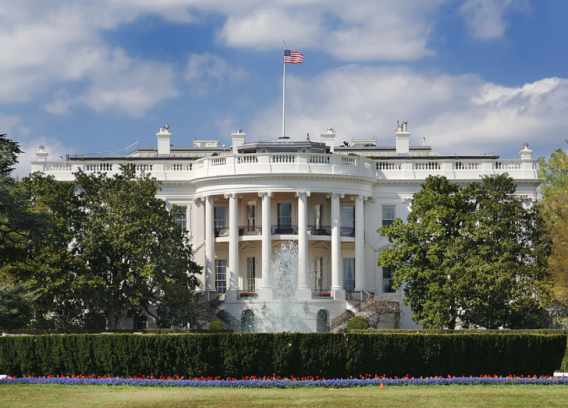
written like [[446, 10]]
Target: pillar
[[266, 292], [233, 247], [209, 245], [304, 291], [336, 278], [360, 242]]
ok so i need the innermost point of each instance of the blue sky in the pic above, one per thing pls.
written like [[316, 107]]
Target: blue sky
[[471, 76]]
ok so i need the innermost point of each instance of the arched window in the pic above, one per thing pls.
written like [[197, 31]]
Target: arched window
[[322, 321], [247, 321]]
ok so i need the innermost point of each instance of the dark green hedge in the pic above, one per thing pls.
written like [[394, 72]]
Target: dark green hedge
[[37, 332], [318, 354]]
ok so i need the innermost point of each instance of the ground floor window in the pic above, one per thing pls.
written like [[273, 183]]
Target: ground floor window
[[251, 274], [140, 322], [322, 321], [388, 274], [349, 273], [247, 321], [221, 275]]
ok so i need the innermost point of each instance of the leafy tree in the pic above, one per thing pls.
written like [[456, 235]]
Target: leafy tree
[[16, 306], [469, 256], [358, 323], [135, 252]]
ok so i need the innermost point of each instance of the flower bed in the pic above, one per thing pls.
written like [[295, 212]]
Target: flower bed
[[292, 382], [322, 294]]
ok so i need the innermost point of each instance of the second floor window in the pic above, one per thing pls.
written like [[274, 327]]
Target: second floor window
[[220, 218], [251, 218], [285, 215], [181, 217], [318, 216], [388, 214], [348, 220]]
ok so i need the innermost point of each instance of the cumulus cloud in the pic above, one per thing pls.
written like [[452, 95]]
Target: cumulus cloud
[[206, 71], [484, 18], [454, 113]]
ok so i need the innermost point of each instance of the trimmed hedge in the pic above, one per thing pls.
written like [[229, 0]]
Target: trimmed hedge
[[327, 355], [357, 323], [38, 332]]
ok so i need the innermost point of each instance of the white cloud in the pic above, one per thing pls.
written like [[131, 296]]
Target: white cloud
[[206, 71], [455, 113], [485, 17]]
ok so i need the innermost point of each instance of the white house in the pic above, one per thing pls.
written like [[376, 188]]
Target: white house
[[328, 197]]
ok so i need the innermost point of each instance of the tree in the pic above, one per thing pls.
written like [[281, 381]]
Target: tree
[[16, 306], [554, 208], [470, 256], [135, 253]]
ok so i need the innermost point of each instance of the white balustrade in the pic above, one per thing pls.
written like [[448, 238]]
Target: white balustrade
[[460, 165], [508, 165], [247, 159], [348, 161], [283, 158], [319, 158], [61, 166], [381, 165], [179, 166], [98, 167], [218, 161], [430, 165], [143, 167]]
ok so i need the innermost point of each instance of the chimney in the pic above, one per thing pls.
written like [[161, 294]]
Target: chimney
[[41, 155], [526, 152], [238, 140], [164, 137], [402, 138], [329, 139]]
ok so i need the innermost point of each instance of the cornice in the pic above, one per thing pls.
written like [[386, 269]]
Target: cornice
[[332, 177]]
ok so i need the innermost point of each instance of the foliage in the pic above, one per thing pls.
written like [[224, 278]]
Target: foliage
[[357, 322], [216, 324], [16, 306], [329, 355], [470, 256], [136, 254]]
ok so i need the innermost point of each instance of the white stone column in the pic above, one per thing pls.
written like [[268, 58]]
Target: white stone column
[[336, 278], [233, 248], [266, 292], [304, 291], [360, 242], [209, 245]]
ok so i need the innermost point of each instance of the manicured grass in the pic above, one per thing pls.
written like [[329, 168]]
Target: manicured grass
[[412, 396]]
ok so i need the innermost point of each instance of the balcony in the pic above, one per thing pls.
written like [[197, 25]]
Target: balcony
[[387, 168], [319, 230], [285, 229]]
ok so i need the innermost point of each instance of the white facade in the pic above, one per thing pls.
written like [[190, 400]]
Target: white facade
[[243, 202]]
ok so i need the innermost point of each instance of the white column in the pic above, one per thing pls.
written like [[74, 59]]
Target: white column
[[360, 242], [233, 247], [336, 281], [266, 292], [304, 291], [209, 245]]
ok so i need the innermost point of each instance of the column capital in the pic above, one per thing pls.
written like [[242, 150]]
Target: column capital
[[360, 197], [231, 195], [265, 193], [301, 193], [335, 195]]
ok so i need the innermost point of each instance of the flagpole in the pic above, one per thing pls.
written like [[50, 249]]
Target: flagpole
[[284, 97]]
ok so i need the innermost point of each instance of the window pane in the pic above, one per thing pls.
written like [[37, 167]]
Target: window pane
[[319, 274], [388, 214], [388, 274], [250, 218], [349, 273], [317, 214], [285, 215], [251, 275], [220, 217], [181, 217], [221, 275]]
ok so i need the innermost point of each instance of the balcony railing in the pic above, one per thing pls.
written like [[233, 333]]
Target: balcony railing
[[347, 231], [319, 230], [285, 229], [250, 230], [221, 232], [177, 169]]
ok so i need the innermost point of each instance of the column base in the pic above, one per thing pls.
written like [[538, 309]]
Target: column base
[[339, 294], [231, 296], [304, 294], [265, 294]]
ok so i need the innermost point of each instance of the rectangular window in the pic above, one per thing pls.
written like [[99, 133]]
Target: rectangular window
[[388, 274], [285, 216], [318, 215], [251, 275], [348, 221], [181, 217], [221, 275], [319, 274], [388, 214], [140, 322], [349, 273], [220, 214], [251, 220]]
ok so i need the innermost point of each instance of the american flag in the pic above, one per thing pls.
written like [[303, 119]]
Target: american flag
[[293, 57]]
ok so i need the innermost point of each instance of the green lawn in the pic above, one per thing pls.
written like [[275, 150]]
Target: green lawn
[[413, 396]]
